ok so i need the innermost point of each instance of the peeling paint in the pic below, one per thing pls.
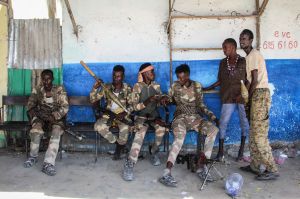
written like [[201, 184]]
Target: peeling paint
[[272, 89]]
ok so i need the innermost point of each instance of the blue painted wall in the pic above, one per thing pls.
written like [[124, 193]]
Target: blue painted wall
[[283, 74]]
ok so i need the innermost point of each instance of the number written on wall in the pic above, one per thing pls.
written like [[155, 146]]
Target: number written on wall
[[282, 41]]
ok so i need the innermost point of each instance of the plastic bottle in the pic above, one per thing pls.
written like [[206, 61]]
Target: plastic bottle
[[279, 157], [244, 92], [233, 184]]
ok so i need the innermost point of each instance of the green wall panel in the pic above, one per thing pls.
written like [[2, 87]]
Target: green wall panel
[[19, 83]]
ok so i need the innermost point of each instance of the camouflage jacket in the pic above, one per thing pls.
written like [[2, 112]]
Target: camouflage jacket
[[189, 100], [137, 95], [57, 103], [124, 97]]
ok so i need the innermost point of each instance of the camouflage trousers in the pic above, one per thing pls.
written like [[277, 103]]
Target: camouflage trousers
[[103, 129], [260, 150], [182, 123], [36, 133], [141, 128]]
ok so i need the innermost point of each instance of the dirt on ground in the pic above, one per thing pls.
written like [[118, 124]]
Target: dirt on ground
[[79, 176]]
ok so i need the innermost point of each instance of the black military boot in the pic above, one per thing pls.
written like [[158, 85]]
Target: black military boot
[[220, 154], [117, 154], [241, 151]]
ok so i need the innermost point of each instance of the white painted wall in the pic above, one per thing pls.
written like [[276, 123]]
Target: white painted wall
[[34, 9], [134, 30], [118, 30]]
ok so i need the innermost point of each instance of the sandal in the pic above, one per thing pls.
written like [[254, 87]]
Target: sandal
[[267, 176], [248, 169], [30, 162], [49, 169], [168, 180]]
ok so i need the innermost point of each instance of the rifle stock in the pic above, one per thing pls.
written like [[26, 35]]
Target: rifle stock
[[110, 94]]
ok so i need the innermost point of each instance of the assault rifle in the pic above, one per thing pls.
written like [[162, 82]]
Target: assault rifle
[[113, 116], [108, 93]]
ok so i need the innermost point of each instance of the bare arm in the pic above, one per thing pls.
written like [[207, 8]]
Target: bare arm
[[211, 87], [254, 82]]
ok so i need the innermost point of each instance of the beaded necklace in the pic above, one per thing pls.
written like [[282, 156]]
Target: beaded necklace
[[231, 68]]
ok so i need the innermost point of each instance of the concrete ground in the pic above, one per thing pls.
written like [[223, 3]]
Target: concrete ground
[[78, 176]]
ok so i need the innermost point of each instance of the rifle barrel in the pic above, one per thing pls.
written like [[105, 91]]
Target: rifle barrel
[[112, 95], [89, 70]]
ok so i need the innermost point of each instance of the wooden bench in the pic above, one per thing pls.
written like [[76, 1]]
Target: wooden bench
[[22, 126], [81, 127]]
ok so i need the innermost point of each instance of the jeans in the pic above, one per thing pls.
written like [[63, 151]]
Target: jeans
[[226, 112]]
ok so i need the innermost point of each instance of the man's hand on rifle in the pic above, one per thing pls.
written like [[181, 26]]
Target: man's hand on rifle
[[56, 115], [160, 122], [121, 116], [31, 113], [154, 98], [98, 83], [51, 119]]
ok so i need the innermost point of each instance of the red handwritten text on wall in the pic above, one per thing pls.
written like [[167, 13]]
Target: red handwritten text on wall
[[282, 41]]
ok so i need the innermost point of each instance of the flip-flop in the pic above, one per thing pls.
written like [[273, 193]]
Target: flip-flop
[[168, 180], [30, 162], [248, 169], [49, 169], [267, 176]]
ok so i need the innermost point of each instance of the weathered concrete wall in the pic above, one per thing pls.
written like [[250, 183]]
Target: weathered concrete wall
[[133, 31], [3, 50], [3, 59]]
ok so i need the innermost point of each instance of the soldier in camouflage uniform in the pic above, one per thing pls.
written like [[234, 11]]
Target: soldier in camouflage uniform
[[47, 107], [113, 114], [146, 97], [188, 97], [262, 161]]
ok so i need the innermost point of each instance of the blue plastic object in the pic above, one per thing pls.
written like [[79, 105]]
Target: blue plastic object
[[233, 184]]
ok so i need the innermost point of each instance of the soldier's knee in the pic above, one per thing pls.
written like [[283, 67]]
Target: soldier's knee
[[124, 128], [37, 128], [102, 121], [209, 129], [57, 131], [100, 127], [141, 128], [35, 137], [214, 130], [177, 123]]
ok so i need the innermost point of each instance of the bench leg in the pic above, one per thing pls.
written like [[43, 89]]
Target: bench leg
[[165, 142], [60, 147], [168, 141], [6, 138], [96, 146], [26, 144]]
